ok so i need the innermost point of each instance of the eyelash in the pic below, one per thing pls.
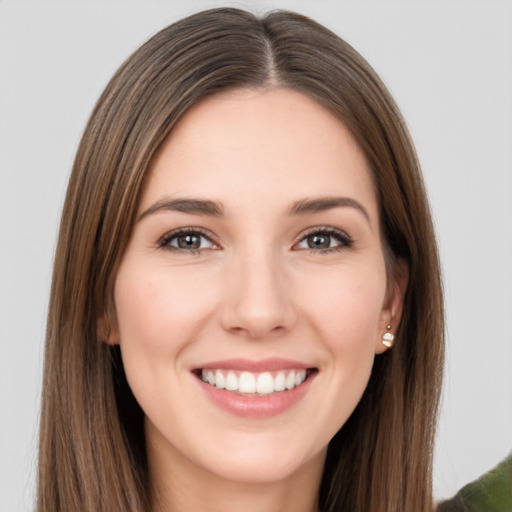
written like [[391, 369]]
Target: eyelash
[[345, 242], [165, 241]]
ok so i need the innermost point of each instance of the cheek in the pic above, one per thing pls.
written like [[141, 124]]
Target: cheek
[[346, 318], [159, 314], [155, 311], [347, 309]]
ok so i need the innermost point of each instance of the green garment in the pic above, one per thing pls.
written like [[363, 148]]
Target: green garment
[[490, 493]]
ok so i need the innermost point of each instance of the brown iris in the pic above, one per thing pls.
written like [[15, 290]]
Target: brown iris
[[319, 241], [189, 241]]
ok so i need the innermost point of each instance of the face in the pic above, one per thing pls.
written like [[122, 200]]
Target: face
[[252, 298]]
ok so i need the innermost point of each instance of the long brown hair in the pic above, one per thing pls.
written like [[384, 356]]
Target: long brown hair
[[92, 451]]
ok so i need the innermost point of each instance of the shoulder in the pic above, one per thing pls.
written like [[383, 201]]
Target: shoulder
[[490, 493]]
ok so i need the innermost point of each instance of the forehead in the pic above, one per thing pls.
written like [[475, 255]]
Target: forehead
[[260, 145]]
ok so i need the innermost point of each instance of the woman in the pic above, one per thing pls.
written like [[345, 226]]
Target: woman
[[245, 232]]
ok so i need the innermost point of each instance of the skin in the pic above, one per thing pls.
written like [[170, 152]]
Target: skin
[[256, 288]]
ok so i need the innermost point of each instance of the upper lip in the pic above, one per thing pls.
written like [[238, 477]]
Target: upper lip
[[254, 366]]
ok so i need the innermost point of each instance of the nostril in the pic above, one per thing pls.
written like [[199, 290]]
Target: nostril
[[258, 331], [256, 304]]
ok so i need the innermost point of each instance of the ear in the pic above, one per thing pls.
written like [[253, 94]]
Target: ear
[[391, 313], [107, 331]]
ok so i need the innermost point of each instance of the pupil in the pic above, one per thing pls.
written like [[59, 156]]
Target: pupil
[[189, 242], [319, 241]]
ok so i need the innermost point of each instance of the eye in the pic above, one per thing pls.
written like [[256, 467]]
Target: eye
[[325, 240], [187, 241]]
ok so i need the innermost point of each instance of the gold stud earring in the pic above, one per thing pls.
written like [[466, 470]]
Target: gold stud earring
[[388, 337]]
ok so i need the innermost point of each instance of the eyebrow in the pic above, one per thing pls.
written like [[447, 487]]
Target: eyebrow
[[215, 209], [192, 206], [321, 204]]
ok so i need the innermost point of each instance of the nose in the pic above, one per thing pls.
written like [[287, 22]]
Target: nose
[[258, 300]]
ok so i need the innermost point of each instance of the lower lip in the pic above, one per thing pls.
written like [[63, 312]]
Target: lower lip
[[259, 407]]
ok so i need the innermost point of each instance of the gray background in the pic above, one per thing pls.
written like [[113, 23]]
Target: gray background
[[449, 65]]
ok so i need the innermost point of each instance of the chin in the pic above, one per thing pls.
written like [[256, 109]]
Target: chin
[[263, 471], [261, 463]]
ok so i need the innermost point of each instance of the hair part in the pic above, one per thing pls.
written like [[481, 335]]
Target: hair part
[[92, 450]]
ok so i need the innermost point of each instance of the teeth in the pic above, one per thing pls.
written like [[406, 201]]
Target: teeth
[[265, 383], [290, 380], [247, 383], [300, 377], [280, 382], [231, 382], [220, 381], [251, 383]]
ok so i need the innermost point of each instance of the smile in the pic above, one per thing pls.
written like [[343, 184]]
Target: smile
[[255, 389], [254, 384]]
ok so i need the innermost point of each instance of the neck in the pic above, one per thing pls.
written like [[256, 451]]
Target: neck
[[186, 487]]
